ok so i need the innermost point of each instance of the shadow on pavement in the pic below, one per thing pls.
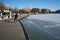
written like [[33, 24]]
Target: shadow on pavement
[[8, 21]]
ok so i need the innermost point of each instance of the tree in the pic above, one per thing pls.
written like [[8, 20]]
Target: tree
[[57, 11], [15, 10], [43, 11], [22, 11], [2, 6], [34, 10]]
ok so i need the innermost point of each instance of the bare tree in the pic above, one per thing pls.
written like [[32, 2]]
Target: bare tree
[[15, 10], [2, 6], [34, 10]]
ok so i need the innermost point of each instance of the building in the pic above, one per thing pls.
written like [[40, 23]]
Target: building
[[6, 13], [45, 11]]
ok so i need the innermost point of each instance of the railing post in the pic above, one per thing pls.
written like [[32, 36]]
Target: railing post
[[10, 15]]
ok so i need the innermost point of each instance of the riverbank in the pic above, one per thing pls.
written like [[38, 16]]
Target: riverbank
[[25, 32], [20, 17]]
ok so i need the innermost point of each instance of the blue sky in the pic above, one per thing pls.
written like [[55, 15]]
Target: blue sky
[[49, 4]]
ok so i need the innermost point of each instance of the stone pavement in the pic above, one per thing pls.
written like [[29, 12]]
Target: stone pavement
[[10, 30]]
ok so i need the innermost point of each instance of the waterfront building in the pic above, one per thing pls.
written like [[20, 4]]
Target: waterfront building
[[6, 13], [45, 10]]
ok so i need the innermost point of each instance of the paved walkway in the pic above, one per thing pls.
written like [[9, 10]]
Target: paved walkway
[[11, 31]]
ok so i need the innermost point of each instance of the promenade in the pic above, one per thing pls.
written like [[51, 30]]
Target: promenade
[[10, 30]]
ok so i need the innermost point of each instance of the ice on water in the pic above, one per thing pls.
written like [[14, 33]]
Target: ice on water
[[50, 23]]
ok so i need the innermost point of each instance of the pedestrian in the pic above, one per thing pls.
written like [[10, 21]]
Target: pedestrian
[[15, 17]]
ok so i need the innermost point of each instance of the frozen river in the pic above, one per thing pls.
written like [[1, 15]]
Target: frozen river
[[43, 26]]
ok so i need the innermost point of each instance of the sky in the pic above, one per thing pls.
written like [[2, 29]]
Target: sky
[[49, 4]]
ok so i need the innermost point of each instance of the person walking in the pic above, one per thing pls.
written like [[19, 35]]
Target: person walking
[[15, 17]]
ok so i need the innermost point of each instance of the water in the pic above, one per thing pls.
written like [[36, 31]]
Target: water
[[43, 27]]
